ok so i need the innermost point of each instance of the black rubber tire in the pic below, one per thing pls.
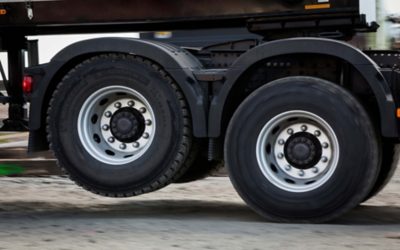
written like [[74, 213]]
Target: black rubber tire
[[359, 152], [198, 165], [390, 159], [164, 158]]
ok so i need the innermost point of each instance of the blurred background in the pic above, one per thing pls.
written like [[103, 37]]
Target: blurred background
[[388, 35]]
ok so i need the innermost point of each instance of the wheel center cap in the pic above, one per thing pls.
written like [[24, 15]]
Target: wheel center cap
[[127, 125], [303, 150]]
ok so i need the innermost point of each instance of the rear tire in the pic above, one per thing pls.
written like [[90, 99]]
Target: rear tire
[[119, 126], [302, 149], [198, 165], [390, 159]]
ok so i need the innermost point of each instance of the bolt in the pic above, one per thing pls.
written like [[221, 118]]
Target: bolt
[[136, 144], [146, 135], [304, 128], [301, 173], [108, 114], [315, 170], [317, 133], [105, 127], [280, 156], [290, 131], [111, 140], [281, 142], [148, 122], [324, 159], [325, 145], [142, 110], [117, 105], [122, 146], [288, 168], [131, 103]]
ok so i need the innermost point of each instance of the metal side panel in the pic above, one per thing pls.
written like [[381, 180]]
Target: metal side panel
[[47, 16]]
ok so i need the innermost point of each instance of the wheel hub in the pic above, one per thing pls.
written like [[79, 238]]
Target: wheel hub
[[297, 151], [127, 125], [116, 125], [303, 150]]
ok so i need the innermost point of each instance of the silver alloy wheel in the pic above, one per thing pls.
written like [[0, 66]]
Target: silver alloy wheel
[[95, 128], [273, 159]]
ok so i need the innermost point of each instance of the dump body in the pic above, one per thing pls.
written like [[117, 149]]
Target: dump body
[[40, 17]]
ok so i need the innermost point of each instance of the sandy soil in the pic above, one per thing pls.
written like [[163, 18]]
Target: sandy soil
[[53, 213]]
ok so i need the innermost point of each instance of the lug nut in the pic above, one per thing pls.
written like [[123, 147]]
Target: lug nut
[[122, 146], [142, 110], [304, 128], [108, 114], [131, 103], [280, 156], [146, 135], [324, 159], [290, 131], [281, 142], [148, 122], [136, 144], [111, 140], [288, 168], [105, 127], [117, 105], [315, 170], [325, 145], [317, 133], [301, 173]]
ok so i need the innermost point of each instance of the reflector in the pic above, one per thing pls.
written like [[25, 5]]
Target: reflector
[[27, 84]]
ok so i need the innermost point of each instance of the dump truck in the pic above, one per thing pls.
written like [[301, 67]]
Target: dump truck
[[306, 123]]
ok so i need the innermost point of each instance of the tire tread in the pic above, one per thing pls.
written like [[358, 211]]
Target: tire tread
[[178, 164]]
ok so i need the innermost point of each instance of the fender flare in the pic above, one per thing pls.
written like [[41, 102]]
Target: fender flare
[[176, 61], [368, 69]]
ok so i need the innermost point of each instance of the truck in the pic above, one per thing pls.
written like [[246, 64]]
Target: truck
[[306, 123]]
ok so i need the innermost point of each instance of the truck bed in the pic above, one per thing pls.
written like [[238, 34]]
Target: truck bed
[[74, 16]]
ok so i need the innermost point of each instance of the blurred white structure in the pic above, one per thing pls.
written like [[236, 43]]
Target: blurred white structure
[[382, 40], [51, 45]]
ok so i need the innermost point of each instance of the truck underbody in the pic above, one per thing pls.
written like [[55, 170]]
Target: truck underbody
[[306, 123]]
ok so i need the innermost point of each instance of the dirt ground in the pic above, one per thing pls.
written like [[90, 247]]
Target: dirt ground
[[53, 213]]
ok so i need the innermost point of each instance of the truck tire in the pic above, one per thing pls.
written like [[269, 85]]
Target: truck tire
[[119, 126], [198, 165], [302, 149], [390, 159]]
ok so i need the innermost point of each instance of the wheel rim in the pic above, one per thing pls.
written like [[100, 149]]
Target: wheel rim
[[116, 125], [297, 151]]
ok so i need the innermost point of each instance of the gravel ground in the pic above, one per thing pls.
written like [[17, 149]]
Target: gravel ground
[[52, 213]]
